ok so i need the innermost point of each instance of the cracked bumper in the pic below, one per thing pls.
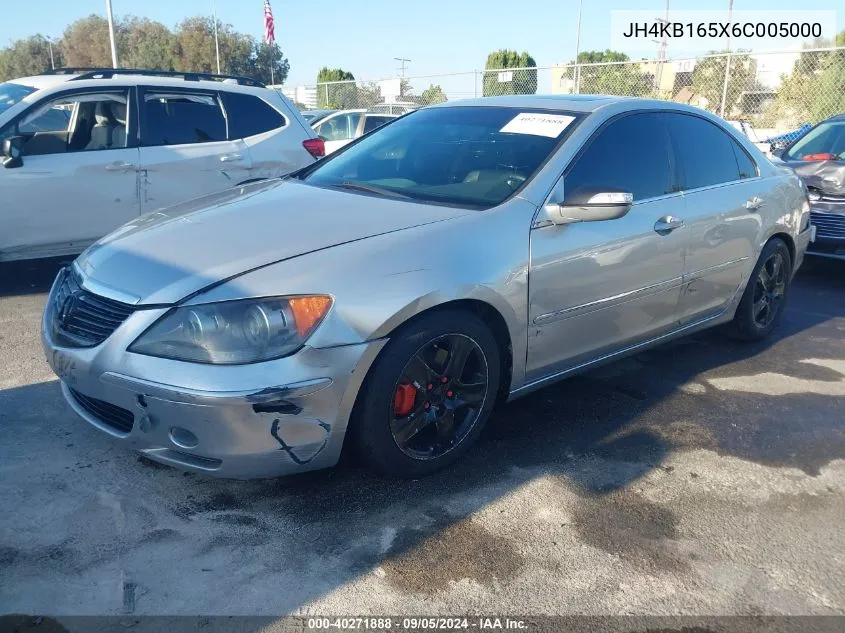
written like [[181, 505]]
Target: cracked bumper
[[263, 420]]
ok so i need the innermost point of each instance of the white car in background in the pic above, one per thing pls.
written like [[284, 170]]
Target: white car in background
[[84, 152], [745, 126], [344, 126]]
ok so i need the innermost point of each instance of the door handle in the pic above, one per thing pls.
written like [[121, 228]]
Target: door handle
[[120, 166], [231, 158], [754, 204], [667, 224]]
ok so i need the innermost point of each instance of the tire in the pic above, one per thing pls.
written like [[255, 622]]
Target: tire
[[376, 418], [749, 324]]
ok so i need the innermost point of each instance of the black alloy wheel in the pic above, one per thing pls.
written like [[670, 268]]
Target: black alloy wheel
[[439, 396], [428, 395]]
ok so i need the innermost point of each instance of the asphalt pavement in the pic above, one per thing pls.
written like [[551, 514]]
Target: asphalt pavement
[[702, 477]]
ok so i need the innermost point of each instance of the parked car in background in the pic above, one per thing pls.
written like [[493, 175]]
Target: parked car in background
[[818, 157], [395, 291], [780, 141], [397, 107], [315, 116], [747, 128], [78, 162], [343, 127]]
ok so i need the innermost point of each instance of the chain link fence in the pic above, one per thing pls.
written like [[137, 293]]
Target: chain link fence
[[775, 92]]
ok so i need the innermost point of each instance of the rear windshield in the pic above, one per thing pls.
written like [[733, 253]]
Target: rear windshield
[[467, 156], [11, 94]]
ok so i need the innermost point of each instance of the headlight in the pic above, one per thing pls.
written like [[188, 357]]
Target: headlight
[[234, 332], [814, 195]]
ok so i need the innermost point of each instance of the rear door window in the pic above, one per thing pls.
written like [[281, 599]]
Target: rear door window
[[182, 118], [629, 155], [249, 115], [705, 152], [339, 128]]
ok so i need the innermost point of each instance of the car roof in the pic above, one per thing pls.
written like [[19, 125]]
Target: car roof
[[571, 103], [44, 82], [40, 82]]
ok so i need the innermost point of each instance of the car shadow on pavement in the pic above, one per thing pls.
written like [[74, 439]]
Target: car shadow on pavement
[[592, 436], [29, 277]]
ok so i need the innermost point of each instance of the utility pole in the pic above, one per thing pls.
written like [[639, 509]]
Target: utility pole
[[727, 63], [661, 57], [216, 41], [577, 74], [403, 60], [111, 34]]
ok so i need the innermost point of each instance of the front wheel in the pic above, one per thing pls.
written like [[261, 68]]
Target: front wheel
[[429, 395], [765, 295]]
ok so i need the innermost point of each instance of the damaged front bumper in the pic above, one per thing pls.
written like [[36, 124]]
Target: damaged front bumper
[[247, 421]]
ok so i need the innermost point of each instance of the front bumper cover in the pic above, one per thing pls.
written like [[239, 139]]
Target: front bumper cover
[[248, 421]]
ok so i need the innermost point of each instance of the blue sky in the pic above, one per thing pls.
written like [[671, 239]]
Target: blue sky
[[365, 35]]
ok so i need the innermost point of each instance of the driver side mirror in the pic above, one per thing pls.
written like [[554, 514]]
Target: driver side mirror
[[589, 205], [12, 152]]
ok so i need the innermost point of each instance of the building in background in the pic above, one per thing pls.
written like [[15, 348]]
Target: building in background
[[301, 95]]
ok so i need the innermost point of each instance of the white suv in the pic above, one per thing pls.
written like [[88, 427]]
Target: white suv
[[84, 151]]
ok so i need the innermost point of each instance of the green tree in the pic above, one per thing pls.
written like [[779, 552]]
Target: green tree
[[708, 79], [498, 80], [368, 94], [86, 42], [195, 50], [30, 56], [611, 78], [814, 90], [433, 94], [266, 57], [336, 96], [147, 44]]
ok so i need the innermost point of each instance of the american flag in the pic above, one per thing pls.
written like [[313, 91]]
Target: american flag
[[269, 25]]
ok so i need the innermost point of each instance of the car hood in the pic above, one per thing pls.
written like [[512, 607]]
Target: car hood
[[167, 255], [828, 176]]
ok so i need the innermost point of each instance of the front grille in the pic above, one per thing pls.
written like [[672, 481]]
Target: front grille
[[116, 417], [83, 319], [828, 224]]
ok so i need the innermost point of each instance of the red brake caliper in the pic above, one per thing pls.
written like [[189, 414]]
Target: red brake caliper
[[403, 400]]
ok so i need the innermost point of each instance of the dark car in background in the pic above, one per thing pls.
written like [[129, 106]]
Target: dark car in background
[[818, 157]]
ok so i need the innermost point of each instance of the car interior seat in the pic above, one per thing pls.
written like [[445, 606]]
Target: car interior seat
[[109, 131]]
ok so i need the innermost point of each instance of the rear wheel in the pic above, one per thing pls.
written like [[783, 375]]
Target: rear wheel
[[428, 395], [765, 295]]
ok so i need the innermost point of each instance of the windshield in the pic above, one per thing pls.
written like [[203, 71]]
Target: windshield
[[469, 156], [10, 94], [826, 141]]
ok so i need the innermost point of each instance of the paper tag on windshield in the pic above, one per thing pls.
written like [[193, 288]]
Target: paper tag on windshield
[[537, 124]]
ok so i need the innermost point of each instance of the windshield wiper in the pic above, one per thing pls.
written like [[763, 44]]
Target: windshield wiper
[[381, 191]]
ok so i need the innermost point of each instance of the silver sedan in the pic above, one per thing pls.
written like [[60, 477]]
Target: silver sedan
[[385, 299]]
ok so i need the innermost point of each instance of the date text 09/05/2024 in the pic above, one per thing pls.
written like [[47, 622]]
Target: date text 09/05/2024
[[722, 29], [416, 623]]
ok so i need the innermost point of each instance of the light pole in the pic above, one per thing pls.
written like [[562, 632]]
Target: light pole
[[216, 41], [111, 34], [50, 45], [578, 47], [727, 63]]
